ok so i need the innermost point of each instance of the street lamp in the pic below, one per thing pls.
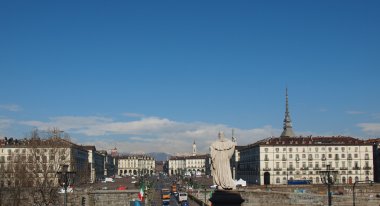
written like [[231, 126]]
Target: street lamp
[[353, 189], [65, 178], [328, 178]]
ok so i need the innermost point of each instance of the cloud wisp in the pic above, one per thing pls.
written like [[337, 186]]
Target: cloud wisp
[[11, 107], [148, 133], [370, 128], [354, 112]]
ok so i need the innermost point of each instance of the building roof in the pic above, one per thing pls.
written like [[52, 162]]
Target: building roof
[[240, 147], [189, 157], [373, 141], [135, 156], [89, 147], [55, 142], [309, 141]]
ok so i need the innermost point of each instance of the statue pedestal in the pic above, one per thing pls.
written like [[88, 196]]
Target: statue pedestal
[[226, 198]]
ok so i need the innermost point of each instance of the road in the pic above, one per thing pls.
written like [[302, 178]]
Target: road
[[164, 182]]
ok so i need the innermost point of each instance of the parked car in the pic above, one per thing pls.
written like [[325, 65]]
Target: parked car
[[184, 203], [108, 179], [122, 188], [214, 186], [69, 190]]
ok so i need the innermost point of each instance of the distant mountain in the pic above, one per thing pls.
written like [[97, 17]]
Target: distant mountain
[[159, 156]]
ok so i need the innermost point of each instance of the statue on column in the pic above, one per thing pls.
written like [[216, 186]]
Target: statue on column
[[221, 152]]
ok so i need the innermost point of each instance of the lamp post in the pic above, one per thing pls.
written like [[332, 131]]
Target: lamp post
[[205, 194], [65, 178], [353, 189], [328, 178]]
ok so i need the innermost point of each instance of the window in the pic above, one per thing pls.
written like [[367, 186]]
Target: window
[[316, 149], [343, 155], [266, 149], [290, 156], [278, 180], [277, 156], [303, 156], [330, 155], [277, 149], [355, 155]]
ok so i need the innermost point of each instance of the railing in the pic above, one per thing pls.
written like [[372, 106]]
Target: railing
[[349, 158], [310, 158], [266, 159], [291, 169], [317, 168], [277, 169], [367, 168], [266, 169], [304, 168], [356, 168], [323, 158], [284, 159], [343, 168]]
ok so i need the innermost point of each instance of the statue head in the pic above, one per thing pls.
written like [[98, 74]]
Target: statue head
[[221, 136]]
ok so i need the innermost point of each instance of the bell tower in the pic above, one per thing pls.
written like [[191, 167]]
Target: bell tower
[[194, 148]]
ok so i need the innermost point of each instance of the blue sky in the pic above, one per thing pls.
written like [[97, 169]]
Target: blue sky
[[157, 75]]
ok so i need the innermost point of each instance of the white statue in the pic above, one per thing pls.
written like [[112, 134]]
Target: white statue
[[221, 152]]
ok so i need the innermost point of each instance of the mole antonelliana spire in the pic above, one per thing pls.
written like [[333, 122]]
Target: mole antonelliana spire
[[288, 131]]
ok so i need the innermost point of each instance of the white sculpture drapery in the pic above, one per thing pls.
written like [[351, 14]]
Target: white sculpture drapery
[[221, 152]]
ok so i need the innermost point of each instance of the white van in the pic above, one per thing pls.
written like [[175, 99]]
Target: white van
[[108, 179], [182, 196]]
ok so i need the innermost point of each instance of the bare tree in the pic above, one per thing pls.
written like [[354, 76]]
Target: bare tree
[[44, 157], [30, 172]]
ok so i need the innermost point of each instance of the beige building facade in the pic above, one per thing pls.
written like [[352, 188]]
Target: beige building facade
[[138, 165]]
